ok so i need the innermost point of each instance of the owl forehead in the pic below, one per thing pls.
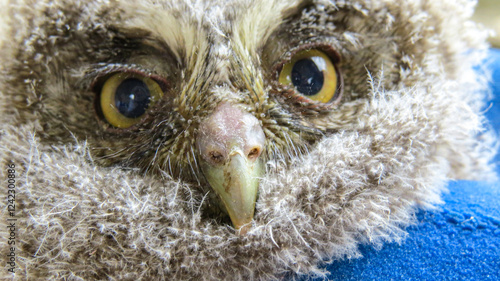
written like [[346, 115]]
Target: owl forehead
[[216, 27], [210, 39]]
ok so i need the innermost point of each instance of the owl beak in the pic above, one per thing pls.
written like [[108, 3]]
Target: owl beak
[[230, 142], [237, 183]]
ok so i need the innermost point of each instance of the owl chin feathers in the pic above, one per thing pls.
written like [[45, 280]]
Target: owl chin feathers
[[406, 123]]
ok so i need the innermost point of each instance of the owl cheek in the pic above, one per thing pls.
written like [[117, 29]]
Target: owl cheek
[[230, 142]]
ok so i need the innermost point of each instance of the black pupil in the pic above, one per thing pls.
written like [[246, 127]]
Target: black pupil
[[132, 98], [306, 77]]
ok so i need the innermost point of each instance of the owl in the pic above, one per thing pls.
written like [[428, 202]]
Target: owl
[[229, 140]]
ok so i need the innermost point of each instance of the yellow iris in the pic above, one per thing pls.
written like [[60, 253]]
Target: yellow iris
[[125, 97], [312, 74]]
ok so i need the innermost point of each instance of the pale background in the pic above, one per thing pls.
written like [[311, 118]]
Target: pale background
[[488, 13]]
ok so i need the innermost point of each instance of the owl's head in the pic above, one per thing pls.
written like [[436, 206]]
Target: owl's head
[[315, 123]]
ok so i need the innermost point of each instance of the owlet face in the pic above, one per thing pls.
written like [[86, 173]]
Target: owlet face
[[258, 137], [206, 99]]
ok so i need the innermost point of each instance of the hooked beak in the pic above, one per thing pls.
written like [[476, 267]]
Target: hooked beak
[[230, 142]]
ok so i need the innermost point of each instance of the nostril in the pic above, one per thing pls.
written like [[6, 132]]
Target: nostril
[[254, 153], [216, 157]]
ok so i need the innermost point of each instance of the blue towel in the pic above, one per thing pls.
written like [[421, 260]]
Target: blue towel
[[459, 241]]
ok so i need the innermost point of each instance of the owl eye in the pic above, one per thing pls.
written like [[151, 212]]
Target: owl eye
[[312, 74], [125, 98]]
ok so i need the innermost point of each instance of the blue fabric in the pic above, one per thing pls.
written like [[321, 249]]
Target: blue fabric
[[460, 241]]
